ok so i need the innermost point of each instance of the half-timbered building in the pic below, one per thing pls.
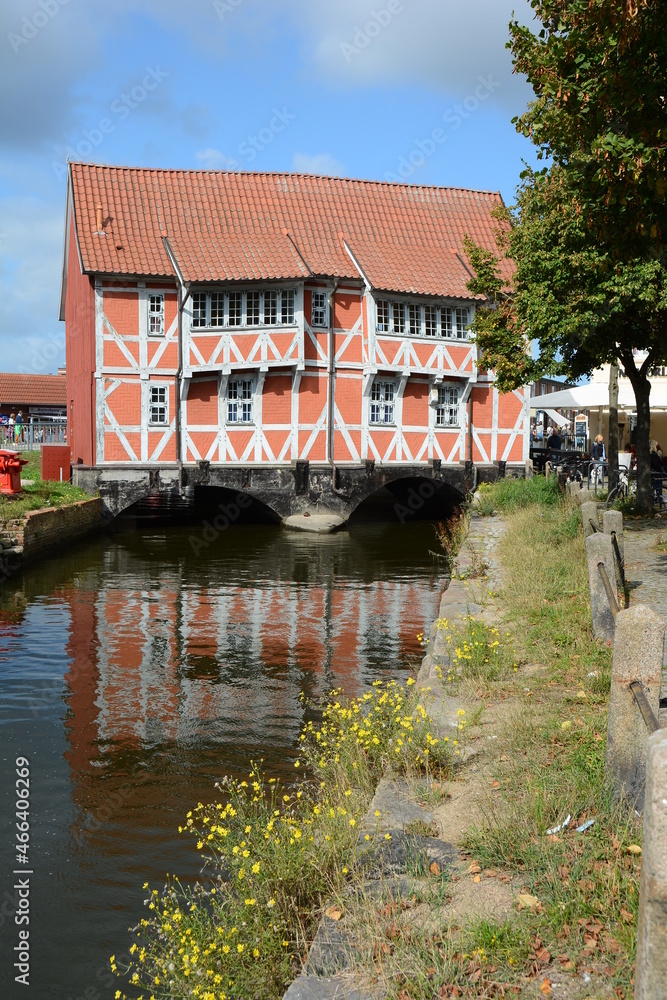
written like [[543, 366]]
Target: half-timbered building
[[262, 320]]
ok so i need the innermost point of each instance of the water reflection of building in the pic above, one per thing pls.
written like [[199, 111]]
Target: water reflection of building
[[181, 659]]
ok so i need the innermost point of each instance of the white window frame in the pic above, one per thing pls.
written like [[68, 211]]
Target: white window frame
[[158, 298], [319, 314], [161, 403], [422, 318], [382, 409], [448, 412], [284, 301], [245, 401]]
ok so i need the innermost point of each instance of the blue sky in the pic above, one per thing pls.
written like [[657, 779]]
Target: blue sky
[[419, 90]]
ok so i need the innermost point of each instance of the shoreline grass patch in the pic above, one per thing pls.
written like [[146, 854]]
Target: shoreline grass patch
[[38, 494], [274, 854]]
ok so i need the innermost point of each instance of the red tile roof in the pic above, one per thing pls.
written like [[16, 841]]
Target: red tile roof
[[249, 226], [32, 390]]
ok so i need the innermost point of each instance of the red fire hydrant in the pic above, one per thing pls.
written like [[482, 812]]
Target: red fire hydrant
[[11, 464]]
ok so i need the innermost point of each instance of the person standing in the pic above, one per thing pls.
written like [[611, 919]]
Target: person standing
[[18, 427], [599, 457]]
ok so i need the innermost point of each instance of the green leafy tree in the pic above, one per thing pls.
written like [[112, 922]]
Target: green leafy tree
[[586, 234]]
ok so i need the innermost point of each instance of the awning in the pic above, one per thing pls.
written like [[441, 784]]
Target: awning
[[595, 395], [556, 417]]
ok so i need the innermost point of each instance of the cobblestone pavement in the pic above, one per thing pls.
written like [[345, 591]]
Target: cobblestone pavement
[[646, 566]]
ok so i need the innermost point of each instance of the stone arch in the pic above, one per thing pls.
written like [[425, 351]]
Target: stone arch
[[416, 496]]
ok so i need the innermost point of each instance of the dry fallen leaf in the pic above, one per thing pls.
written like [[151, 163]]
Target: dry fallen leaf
[[634, 849], [545, 987], [474, 868], [334, 912], [477, 878], [434, 868], [526, 901]]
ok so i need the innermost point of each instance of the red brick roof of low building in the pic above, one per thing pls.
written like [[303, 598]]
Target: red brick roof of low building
[[269, 226], [32, 390]]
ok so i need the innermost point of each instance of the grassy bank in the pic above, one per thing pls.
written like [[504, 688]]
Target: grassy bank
[[576, 893], [37, 494]]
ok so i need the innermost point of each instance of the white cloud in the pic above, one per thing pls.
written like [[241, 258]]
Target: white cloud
[[320, 163], [444, 44], [31, 338], [214, 159]]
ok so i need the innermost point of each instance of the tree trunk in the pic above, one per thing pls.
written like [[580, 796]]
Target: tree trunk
[[612, 445], [642, 389]]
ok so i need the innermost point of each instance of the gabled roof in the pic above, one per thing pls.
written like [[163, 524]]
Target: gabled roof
[[268, 226], [32, 390]]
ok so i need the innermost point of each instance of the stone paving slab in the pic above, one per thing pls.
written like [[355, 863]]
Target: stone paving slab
[[333, 988]]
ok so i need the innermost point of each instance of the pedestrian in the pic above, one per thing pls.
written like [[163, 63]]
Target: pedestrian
[[18, 427], [554, 441], [599, 457]]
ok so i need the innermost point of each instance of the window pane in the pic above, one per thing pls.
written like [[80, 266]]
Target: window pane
[[271, 308], [430, 321], [383, 316], [319, 309], [217, 308], [199, 309], [156, 314], [252, 317], [287, 306], [159, 413], [398, 310], [446, 321], [235, 308], [382, 402], [239, 401], [414, 317], [447, 413], [462, 323]]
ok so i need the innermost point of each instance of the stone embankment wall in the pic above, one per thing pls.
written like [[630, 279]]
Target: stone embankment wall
[[43, 532]]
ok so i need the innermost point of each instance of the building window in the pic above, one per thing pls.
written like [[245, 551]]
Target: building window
[[159, 404], [257, 307], [253, 303], [398, 317], [287, 306], [422, 319], [239, 400], [447, 407], [461, 323], [217, 309], [199, 308], [430, 321], [319, 314], [383, 316], [236, 309], [156, 315], [383, 395]]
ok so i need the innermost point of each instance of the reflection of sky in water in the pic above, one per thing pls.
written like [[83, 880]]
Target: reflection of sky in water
[[134, 675]]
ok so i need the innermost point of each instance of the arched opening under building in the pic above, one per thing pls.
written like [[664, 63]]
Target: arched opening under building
[[216, 505], [407, 500]]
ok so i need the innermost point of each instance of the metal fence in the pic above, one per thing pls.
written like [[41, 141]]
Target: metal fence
[[28, 437]]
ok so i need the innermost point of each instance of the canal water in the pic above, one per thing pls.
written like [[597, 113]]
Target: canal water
[[138, 669]]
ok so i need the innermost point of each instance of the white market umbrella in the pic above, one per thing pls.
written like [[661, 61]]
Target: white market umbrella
[[596, 395]]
